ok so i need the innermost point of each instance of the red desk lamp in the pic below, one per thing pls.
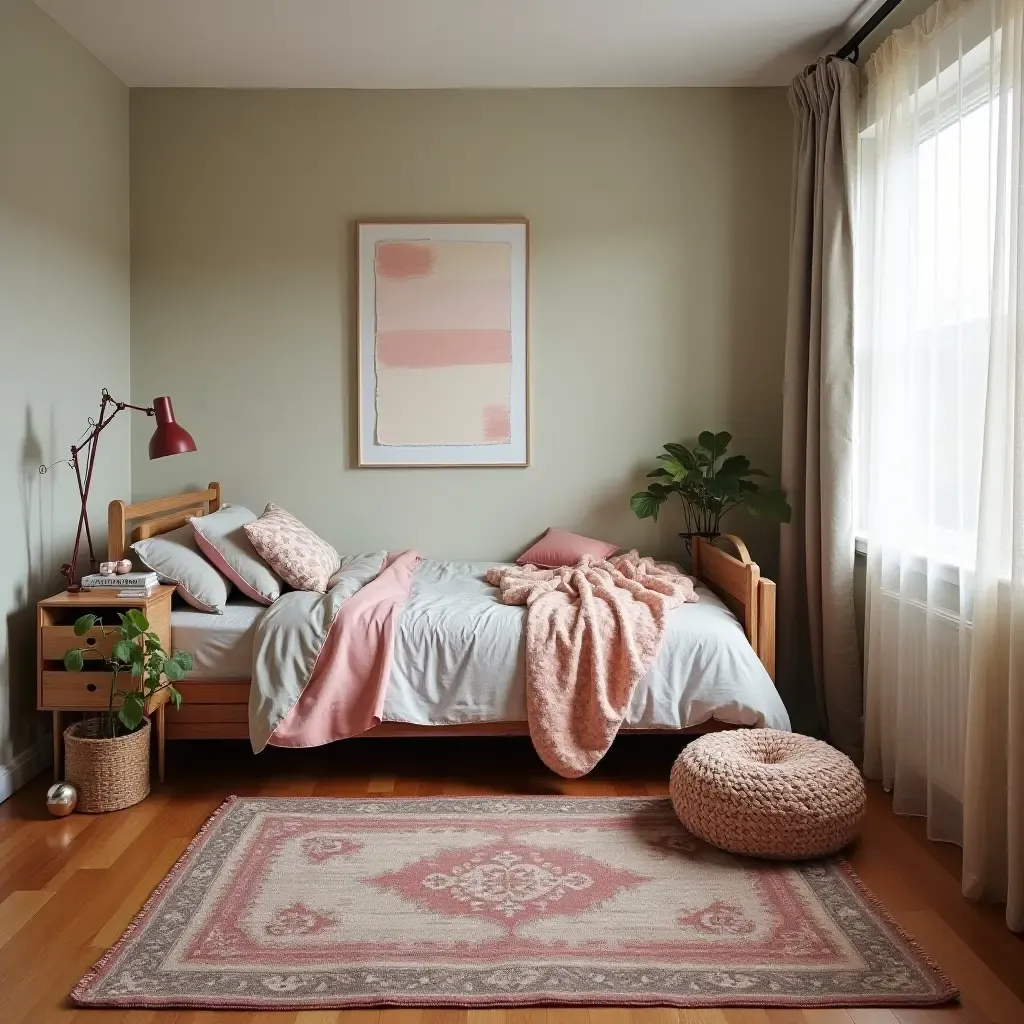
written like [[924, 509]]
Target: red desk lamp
[[169, 438]]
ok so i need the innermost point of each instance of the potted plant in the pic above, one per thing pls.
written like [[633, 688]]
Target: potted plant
[[107, 757], [708, 485]]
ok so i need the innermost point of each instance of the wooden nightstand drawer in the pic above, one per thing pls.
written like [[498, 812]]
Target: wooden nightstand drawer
[[55, 640], [78, 690], [83, 691]]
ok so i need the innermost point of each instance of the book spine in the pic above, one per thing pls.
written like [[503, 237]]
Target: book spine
[[111, 583]]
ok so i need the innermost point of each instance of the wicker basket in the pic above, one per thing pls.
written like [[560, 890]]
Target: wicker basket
[[109, 773]]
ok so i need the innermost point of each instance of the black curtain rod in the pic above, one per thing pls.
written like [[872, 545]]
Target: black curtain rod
[[849, 50]]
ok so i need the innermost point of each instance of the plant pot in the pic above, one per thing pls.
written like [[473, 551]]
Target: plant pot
[[110, 773]]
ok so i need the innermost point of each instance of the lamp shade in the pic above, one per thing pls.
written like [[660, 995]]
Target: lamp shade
[[169, 438]]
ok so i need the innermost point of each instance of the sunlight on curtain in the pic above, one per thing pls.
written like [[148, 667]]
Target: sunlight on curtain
[[940, 426]]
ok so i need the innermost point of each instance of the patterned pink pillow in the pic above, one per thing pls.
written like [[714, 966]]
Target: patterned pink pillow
[[560, 547], [293, 550]]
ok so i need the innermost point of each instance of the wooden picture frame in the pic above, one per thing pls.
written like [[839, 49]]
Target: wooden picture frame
[[442, 340]]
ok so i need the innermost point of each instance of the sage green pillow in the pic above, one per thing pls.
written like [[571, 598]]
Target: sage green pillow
[[221, 538], [175, 558]]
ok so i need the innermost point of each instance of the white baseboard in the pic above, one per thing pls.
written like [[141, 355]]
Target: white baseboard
[[24, 768]]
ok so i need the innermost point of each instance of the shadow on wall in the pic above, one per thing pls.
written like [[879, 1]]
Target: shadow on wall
[[613, 502], [610, 503], [18, 665]]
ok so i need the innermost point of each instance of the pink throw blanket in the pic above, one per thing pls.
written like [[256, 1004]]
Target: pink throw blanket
[[345, 693], [592, 632]]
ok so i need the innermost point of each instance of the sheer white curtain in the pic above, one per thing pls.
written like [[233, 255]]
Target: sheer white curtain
[[940, 424]]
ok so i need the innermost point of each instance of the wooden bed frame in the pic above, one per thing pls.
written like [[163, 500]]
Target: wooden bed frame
[[219, 710]]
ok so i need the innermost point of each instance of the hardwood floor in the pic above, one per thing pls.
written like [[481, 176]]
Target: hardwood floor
[[69, 887]]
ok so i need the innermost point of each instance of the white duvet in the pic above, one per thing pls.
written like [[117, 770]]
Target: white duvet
[[459, 659]]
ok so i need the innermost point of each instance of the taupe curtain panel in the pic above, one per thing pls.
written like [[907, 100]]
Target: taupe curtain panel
[[819, 655]]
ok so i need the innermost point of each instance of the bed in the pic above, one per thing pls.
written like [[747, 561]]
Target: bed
[[458, 665]]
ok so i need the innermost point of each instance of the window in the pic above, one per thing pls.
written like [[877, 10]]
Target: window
[[924, 249]]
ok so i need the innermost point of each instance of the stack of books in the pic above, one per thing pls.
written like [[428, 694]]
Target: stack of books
[[129, 584]]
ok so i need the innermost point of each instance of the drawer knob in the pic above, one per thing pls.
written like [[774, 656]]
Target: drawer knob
[[91, 687], [91, 641]]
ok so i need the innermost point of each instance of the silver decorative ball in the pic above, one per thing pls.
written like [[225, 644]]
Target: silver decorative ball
[[61, 798]]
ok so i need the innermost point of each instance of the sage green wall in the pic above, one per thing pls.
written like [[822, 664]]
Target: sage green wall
[[64, 328], [659, 240]]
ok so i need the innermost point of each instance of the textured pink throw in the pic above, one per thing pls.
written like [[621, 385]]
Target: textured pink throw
[[345, 694], [592, 632]]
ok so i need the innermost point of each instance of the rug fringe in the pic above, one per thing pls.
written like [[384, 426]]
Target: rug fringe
[[77, 995], [951, 990]]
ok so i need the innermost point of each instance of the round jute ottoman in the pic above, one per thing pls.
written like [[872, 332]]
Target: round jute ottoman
[[767, 793]]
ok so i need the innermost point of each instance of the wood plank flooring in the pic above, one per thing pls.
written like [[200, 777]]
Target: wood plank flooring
[[68, 887]]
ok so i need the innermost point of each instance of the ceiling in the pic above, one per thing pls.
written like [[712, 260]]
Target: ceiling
[[429, 44]]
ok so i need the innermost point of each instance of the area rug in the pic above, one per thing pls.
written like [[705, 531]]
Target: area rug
[[316, 903]]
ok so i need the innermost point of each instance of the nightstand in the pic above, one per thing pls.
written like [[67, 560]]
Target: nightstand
[[58, 690]]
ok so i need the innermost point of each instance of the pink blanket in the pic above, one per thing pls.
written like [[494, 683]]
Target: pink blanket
[[345, 693], [592, 632]]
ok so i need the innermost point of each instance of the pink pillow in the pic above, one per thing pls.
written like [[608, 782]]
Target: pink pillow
[[560, 547]]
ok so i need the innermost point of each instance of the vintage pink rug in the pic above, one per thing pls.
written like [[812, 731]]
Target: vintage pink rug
[[314, 903]]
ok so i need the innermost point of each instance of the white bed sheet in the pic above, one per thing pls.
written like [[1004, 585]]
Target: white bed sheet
[[459, 659], [221, 645]]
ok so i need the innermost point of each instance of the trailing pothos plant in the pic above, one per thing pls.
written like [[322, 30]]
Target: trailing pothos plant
[[139, 653], [709, 485]]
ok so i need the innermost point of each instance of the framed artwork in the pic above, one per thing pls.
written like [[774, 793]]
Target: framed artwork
[[443, 368]]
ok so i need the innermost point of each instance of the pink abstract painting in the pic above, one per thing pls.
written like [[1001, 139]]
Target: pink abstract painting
[[443, 342]]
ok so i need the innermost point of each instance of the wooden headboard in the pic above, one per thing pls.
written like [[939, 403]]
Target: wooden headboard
[[738, 582], [129, 523]]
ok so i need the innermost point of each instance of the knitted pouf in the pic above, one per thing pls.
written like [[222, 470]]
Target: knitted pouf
[[768, 793]]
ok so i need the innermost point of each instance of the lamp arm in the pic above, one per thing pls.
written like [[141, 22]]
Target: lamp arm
[[147, 409], [82, 494], [70, 569], [94, 428], [89, 441]]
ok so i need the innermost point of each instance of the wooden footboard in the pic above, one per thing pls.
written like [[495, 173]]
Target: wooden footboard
[[737, 580], [218, 710]]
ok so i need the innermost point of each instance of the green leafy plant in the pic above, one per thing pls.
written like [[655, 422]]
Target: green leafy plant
[[139, 653], [709, 485]]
